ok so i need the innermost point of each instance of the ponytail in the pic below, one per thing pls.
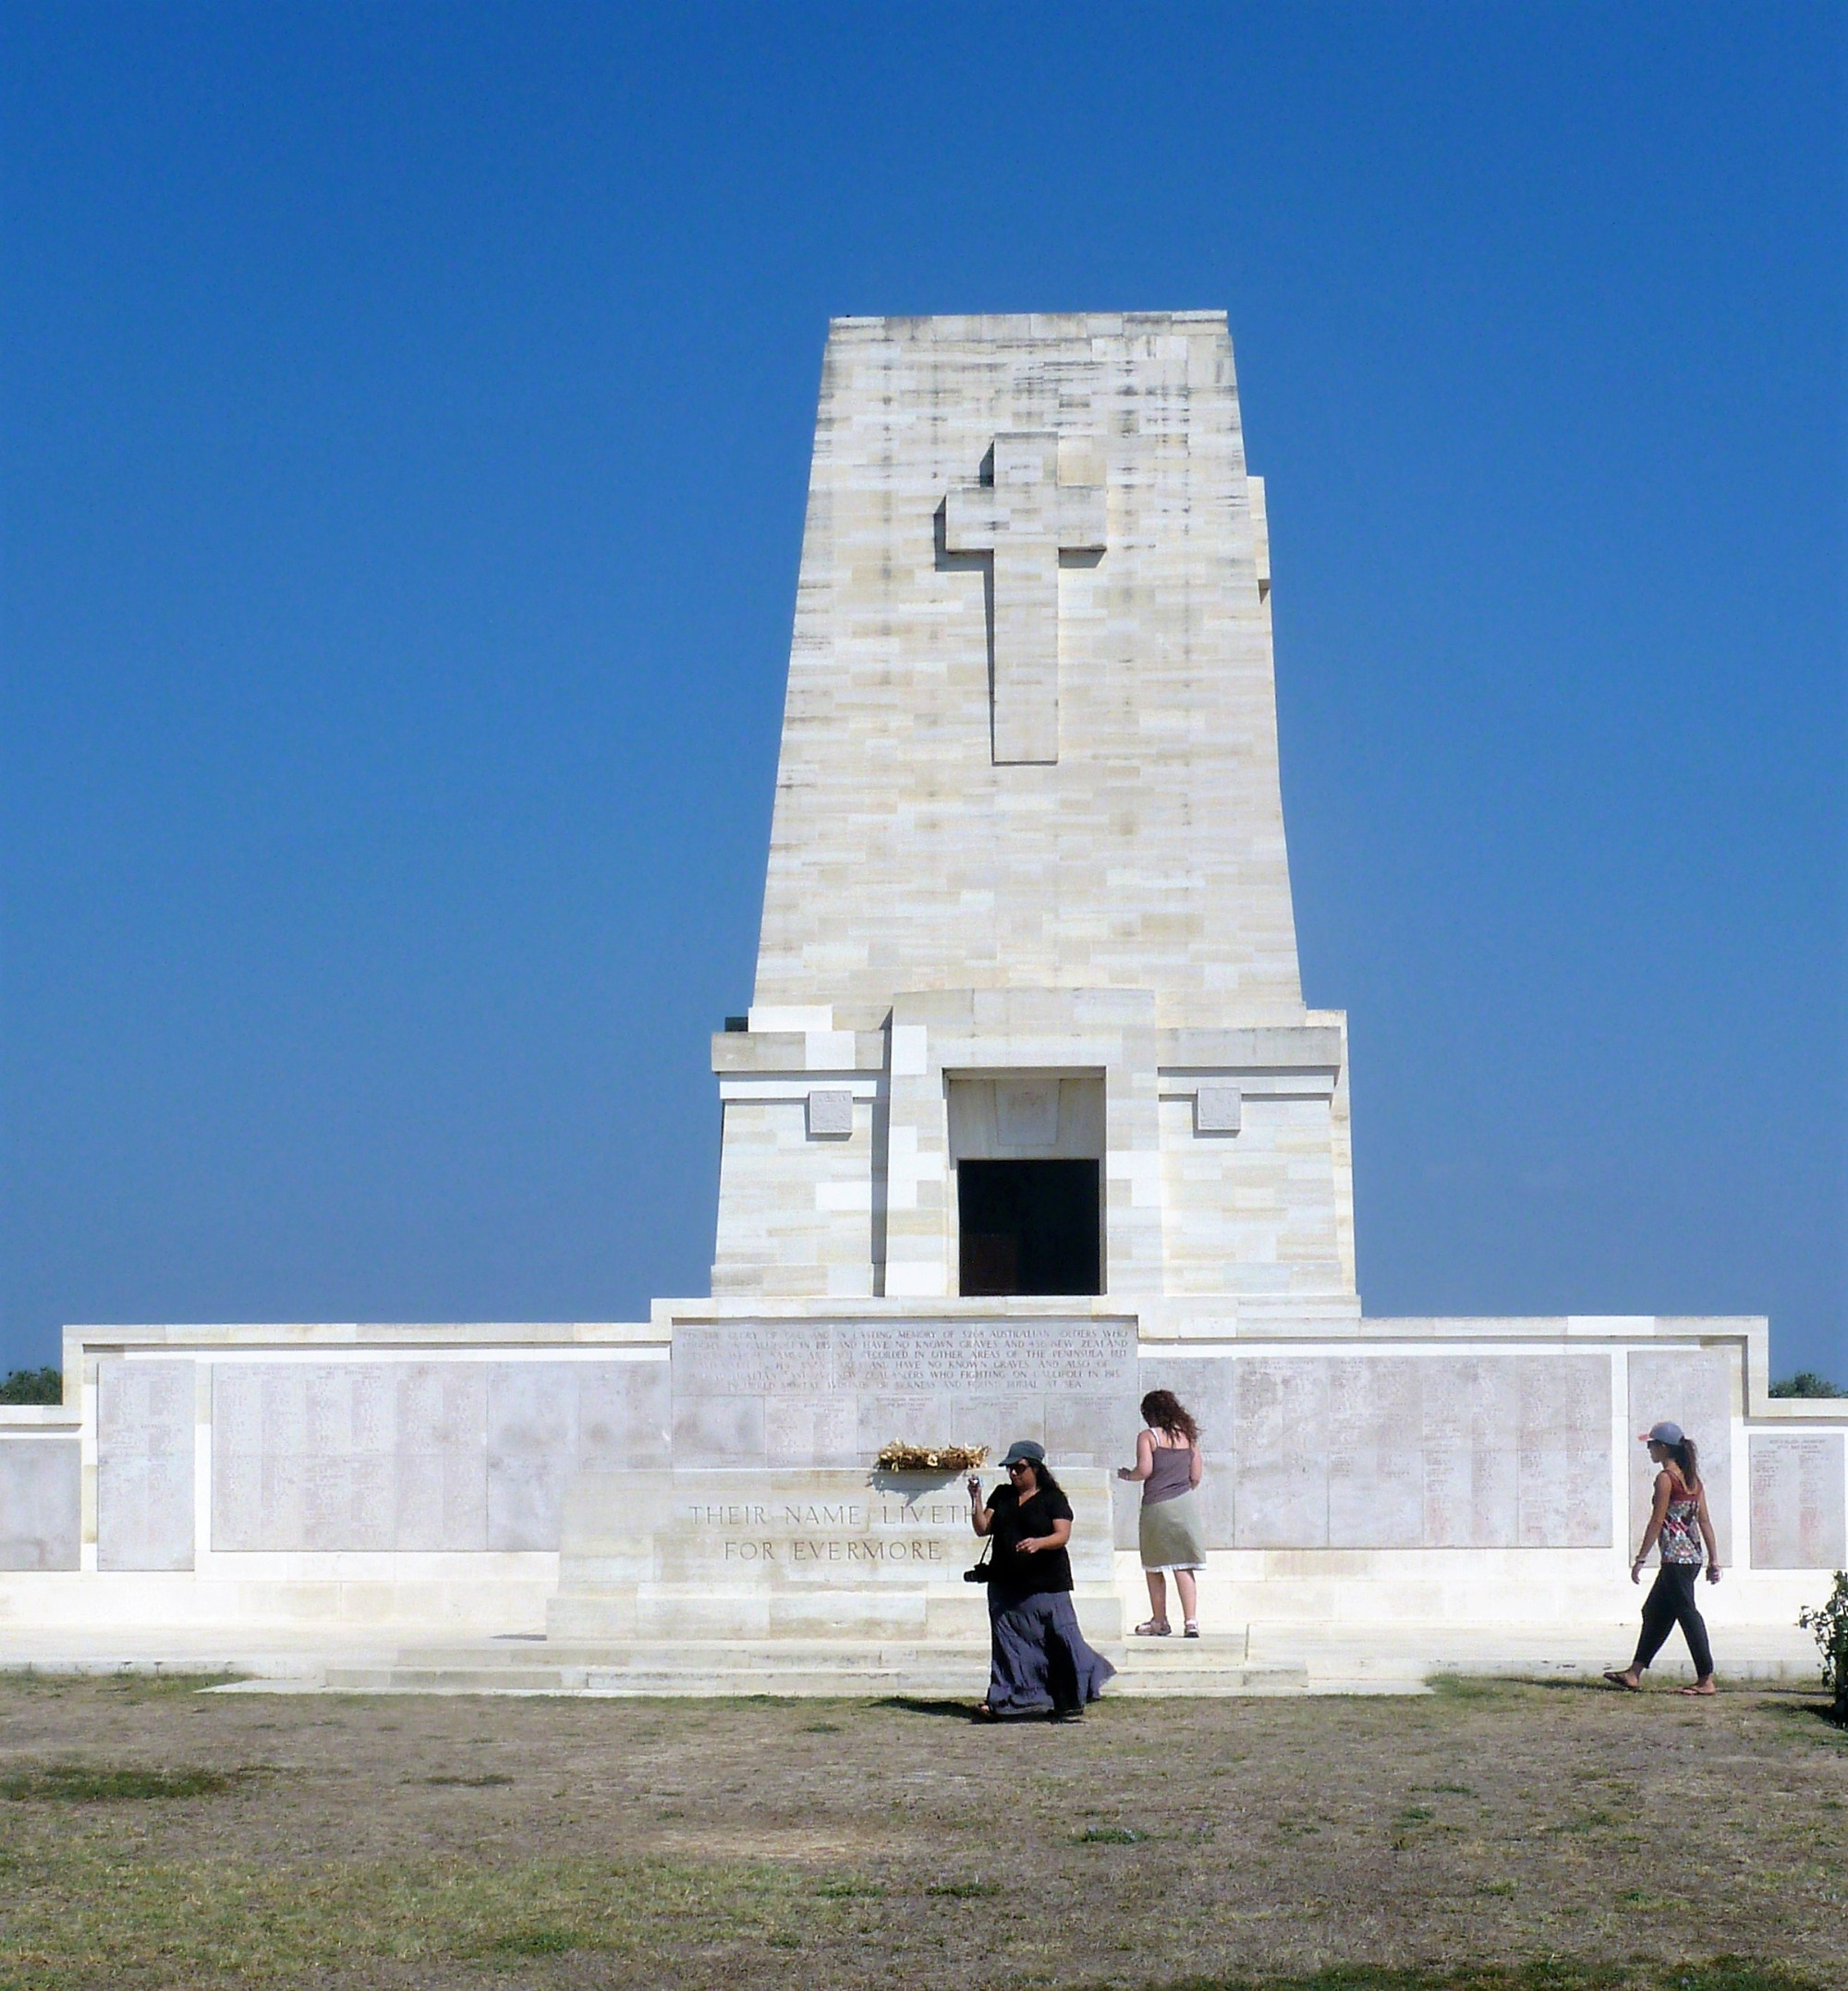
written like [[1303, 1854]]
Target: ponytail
[[1687, 1455]]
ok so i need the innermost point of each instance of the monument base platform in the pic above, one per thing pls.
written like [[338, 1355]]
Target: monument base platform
[[841, 1669], [829, 1554], [1263, 1660]]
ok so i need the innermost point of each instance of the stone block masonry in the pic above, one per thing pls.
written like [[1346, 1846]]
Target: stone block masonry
[[1028, 1115]]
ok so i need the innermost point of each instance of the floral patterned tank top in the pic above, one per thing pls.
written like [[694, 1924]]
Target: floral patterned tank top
[[1680, 1538]]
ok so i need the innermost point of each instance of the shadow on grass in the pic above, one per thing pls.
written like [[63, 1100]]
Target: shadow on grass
[[1494, 1686], [912, 1703], [1808, 1709], [1550, 1973]]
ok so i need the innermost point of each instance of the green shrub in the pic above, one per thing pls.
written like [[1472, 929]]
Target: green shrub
[[32, 1385], [1807, 1382], [1829, 1624]]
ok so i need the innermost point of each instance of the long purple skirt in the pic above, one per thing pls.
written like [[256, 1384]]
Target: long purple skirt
[[1037, 1656]]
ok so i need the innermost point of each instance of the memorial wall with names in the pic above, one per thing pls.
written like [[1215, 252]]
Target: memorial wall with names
[[428, 1455], [814, 1393], [1799, 1499], [1400, 1452]]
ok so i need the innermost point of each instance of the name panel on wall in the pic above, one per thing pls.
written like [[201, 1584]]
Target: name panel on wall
[[808, 1393], [343, 1456], [145, 1415], [41, 1503], [1799, 1502], [1400, 1452]]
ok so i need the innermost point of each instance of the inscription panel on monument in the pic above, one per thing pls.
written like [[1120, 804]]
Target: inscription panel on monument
[[328, 1457], [1799, 1503], [41, 1503], [818, 1532], [1696, 1389], [766, 1551], [1399, 1451], [144, 1464], [829, 1393], [776, 1527]]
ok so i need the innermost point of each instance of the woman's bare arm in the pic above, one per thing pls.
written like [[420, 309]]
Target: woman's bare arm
[[1197, 1468], [1706, 1534], [981, 1519], [1060, 1535], [1145, 1459]]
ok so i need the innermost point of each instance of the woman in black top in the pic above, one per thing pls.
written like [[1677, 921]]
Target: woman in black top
[[1038, 1655]]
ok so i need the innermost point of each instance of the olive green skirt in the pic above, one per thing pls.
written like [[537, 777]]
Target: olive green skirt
[[1170, 1533]]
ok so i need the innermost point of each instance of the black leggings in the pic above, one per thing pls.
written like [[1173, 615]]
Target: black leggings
[[1670, 1601]]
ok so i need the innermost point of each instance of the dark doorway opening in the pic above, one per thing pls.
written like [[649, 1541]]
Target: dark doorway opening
[[1029, 1226]]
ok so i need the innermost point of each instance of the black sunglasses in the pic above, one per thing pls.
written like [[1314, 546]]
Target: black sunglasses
[[1018, 1465]]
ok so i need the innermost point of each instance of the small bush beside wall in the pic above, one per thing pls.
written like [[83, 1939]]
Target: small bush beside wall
[[1829, 1624]]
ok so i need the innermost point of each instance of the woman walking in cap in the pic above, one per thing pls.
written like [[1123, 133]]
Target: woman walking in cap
[[1037, 1656], [1678, 1520], [1168, 1464]]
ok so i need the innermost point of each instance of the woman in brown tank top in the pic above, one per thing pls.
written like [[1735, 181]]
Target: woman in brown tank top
[[1168, 1464]]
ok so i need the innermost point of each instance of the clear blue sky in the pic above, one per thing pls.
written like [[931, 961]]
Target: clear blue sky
[[406, 425]]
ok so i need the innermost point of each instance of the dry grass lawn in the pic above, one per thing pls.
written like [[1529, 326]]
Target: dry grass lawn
[[1488, 1837]]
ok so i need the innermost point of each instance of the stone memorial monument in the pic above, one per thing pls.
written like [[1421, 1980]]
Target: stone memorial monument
[[1027, 1114]]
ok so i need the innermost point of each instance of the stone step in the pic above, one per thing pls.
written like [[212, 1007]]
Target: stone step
[[960, 1681], [1176, 1655], [796, 1667], [695, 1653], [1175, 1650]]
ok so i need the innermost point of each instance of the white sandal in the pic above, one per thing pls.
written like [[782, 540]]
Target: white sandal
[[1191, 1628]]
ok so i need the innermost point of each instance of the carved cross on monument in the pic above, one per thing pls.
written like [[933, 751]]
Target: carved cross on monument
[[1025, 520]]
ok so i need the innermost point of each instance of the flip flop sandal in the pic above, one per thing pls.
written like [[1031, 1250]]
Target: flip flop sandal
[[1617, 1680]]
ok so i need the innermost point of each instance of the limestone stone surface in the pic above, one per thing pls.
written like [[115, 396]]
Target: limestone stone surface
[[1029, 831], [831, 1111], [39, 1487], [1799, 1501], [695, 1553], [1024, 517], [1028, 900], [376, 1455], [781, 1394], [1149, 855], [1383, 1450], [145, 1417]]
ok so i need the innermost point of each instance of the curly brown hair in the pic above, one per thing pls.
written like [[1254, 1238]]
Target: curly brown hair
[[1163, 1410]]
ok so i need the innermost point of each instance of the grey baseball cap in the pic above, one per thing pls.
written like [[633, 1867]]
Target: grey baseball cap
[[1024, 1447], [1665, 1433]]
